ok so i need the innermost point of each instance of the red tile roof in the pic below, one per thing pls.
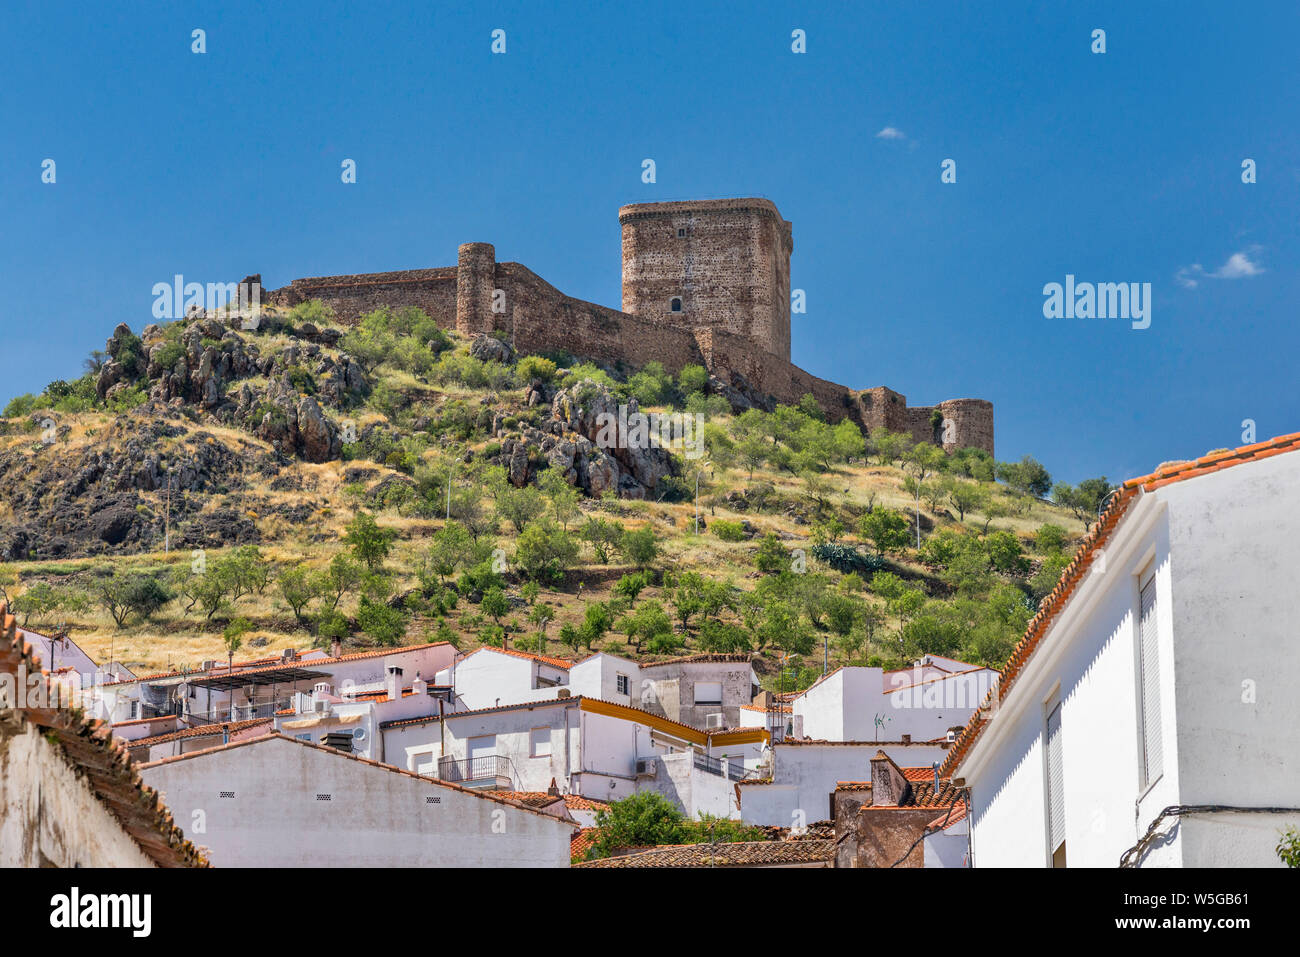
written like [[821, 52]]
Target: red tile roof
[[562, 663], [199, 731], [280, 664], [1051, 607], [577, 802], [737, 854], [89, 748], [582, 841], [955, 815]]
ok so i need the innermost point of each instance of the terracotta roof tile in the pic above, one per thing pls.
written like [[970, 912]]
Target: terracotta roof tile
[[198, 731], [738, 854]]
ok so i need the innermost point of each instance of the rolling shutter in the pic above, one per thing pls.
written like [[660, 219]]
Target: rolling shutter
[[1055, 782], [1149, 663]]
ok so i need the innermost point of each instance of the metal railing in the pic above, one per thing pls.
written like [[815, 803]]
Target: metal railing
[[486, 770], [242, 712], [732, 770]]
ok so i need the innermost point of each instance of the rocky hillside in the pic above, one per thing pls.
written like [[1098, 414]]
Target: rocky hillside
[[292, 483]]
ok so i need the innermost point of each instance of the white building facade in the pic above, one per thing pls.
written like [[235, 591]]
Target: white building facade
[[1161, 673]]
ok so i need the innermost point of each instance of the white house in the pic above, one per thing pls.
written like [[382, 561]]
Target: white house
[[491, 677], [704, 691], [867, 704], [1149, 715], [802, 776], [598, 749], [277, 802]]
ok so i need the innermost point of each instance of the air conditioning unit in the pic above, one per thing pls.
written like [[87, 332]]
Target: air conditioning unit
[[646, 767], [715, 720], [321, 707]]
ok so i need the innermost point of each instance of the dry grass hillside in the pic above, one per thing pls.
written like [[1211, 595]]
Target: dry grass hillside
[[777, 486]]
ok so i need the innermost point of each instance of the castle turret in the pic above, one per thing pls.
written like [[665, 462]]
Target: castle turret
[[719, 263], [476, 266]]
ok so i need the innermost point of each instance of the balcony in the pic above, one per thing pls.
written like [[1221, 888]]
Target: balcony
[[486, 771], [733, 770], [243, 712]]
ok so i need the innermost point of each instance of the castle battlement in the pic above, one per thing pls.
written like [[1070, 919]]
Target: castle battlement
[[705, 282]]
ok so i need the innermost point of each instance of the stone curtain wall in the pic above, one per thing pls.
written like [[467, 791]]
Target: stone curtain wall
[[433, 290]]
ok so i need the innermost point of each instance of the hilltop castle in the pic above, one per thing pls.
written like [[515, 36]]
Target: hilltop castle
[[704, 282]]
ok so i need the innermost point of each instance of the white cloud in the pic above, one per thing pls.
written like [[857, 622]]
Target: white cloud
[[891, 133], [1239, 265]]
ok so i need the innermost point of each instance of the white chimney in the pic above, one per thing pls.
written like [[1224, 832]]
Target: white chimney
[[394, 683], [419, 686]]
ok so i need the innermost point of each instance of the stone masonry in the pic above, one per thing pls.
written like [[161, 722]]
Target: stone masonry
[[705, 282]]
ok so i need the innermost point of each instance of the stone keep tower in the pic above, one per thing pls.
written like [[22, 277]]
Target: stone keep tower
[[716, 263]]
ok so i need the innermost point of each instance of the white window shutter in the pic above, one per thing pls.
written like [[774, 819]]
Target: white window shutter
[[1149, 662], [1055, 782]]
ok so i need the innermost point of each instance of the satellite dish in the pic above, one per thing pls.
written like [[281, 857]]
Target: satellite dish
[[358, 734]]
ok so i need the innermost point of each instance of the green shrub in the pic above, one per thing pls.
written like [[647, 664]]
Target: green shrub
[[535, 367], [728, 531]]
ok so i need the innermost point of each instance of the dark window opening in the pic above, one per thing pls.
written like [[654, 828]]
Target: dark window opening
[[676, 304]]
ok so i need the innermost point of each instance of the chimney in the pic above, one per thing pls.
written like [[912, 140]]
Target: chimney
[[336, 648], [394, 683], [888, 784], [419, 686], [554, 789]]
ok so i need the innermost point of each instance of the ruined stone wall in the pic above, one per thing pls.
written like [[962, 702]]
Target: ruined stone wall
[[728, 261], [433, 290], [543, 319]]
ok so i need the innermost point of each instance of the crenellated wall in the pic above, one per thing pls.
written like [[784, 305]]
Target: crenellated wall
[[747, 263]]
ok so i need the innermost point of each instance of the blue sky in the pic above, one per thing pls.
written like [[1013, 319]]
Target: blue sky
[[1122, 166]]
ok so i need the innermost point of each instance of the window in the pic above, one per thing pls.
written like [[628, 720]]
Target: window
[[539, 743], [1148, 656], [708, 692], [681, 233], [622, 685], [675, 304], [482, 747], [1055, 788]]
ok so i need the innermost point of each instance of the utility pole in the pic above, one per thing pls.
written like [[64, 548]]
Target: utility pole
[[702, 467], [167, 521], [449, 492]]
